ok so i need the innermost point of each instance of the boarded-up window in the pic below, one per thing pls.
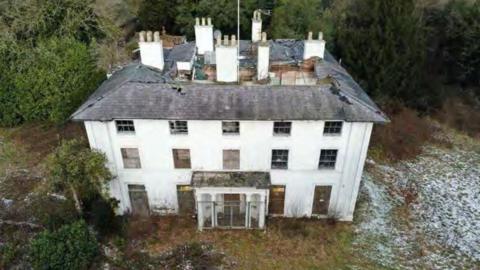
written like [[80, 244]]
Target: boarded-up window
[[131, 158], [138, 200], [231, 159], [181, 158], [276, 200]]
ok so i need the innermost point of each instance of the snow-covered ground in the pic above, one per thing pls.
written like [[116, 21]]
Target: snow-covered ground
[[424, 213]]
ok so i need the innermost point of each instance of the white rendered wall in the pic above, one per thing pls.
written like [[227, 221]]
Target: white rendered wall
[[204, 38], [151, 54], [255, 142], [256, 30], [314, 48], [263, 61], [226, 61]]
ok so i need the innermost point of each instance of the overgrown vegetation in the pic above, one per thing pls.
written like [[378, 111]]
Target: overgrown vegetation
[[70, 247]]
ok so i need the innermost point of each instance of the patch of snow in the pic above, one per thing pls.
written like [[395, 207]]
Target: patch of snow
[[439, 228]]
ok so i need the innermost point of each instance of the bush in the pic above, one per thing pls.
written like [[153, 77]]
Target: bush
[[100, 213], [403, 138], [71, 247]]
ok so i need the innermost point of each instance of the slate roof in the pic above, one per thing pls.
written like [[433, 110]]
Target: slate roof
[[141, 92], [260, 180]]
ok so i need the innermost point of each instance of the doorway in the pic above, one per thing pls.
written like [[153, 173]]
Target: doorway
[[276, 200], [138, 200], [321, 200], [231, 211]]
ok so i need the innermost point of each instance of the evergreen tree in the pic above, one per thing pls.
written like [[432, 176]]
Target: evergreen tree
[[382, 43]]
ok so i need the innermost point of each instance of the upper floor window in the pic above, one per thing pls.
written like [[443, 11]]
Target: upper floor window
[[181, 158], [125, 126], [232, 127], [328, 158], [282, 128], [279, 159], [333, 127], [131, 158], [231, 159], [178, 127]]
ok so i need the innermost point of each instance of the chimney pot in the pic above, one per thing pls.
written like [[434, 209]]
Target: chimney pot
[[256, 26], [203, 35], [264, 37], [209, 21], [310, 36], [149, 36], [219, 40], [320, 35], [141, 36], [233, 41], [156, 36], [225, 40], [151, 53]]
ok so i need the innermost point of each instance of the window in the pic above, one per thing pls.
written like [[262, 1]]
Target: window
[[131, 158], [181, 158], [178, 127], [327, 159], [279, 159], [231, 127], [282, 128], [125, 126], [333, 127], [231, 159]]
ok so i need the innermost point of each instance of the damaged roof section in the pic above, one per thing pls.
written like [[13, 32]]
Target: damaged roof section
[[259, 180]]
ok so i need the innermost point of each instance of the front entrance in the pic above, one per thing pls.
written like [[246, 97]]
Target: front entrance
[[231, 211], [321, 200], [138, 200]]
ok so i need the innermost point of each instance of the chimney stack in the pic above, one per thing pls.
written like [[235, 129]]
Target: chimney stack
[[314, 47], [256, 26], [151, 49], [204, 35], [263, 58], [226, 59]]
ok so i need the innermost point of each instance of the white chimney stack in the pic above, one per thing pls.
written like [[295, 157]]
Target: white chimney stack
[[256, 26], [151, 49], [314, 47], [204, 35], [226, 59], [263, 58]]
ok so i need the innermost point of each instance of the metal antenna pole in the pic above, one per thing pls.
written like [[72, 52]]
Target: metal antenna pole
[[239, 40]]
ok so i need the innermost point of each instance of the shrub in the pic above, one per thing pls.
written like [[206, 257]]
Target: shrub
[[403, 138], [71, 247], [100, 213]]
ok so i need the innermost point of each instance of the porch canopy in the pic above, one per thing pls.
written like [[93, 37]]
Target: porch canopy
[[231, 199], [259, 180]]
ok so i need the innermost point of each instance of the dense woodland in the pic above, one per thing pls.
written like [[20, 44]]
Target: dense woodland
[[421, 58], [55, 53]]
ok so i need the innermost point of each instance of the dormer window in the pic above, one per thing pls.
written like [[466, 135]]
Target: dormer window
[[125, 126], [333, 128], [178, 127]]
